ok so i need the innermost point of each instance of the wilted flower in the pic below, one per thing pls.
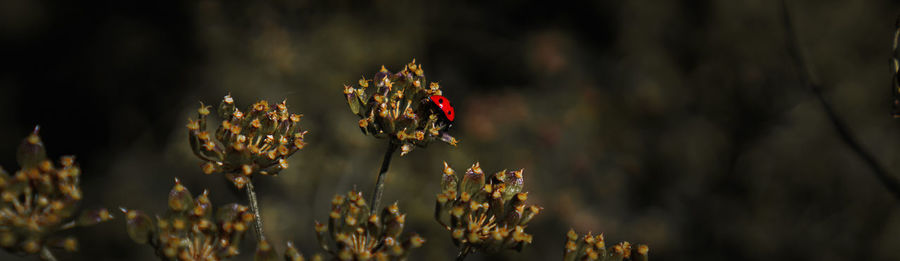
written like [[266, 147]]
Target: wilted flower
[[594, 248], [258, 141], [40, 200], [400, 108], [191, 229], [354, 234], [484, 213]]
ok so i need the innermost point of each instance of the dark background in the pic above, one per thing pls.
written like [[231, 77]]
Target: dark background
[[678, 124]]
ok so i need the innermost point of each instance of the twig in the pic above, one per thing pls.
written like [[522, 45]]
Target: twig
[[46, 255], [890, 182], [379, 183], [254, 206]]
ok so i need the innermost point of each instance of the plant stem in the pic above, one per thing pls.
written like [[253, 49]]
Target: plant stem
[[462, 254], [47, 255], [254, 205], [379, 183]]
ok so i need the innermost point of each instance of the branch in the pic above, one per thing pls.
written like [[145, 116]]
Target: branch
[[796, 53]]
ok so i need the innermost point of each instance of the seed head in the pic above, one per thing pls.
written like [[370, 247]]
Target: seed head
[[591, 247], [40, 199], [353, 234], [399, 108], [486, 213], [191, 229], [259, 141]]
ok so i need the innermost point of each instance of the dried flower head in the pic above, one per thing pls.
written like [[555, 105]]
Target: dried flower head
[[353, 234], [259, 141], [40, 200], [484, 213], [594, 248], [265, 252], [400, 108], [191, 229]]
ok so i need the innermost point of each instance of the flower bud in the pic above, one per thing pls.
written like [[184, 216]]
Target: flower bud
[[138, 225], [180, 198], [473, 180], [31, 150]]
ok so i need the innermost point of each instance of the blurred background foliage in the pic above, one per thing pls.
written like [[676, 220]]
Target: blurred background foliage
[[679, 124]]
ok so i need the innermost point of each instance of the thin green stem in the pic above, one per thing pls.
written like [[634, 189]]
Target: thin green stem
[[379, 183], [254, 206], [46, 255]]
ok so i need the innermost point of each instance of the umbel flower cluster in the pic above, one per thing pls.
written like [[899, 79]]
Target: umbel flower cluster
[[40, 200], [594, 248], [353, 234], [191, 229], [265, 252], [258, 141], [484, 213], [399, 108]]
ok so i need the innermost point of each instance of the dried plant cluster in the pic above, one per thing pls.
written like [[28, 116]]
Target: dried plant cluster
[[594, 248], [40, 200], [265, 252], [258, 141], [399, 108], [485, 213], [482, 212], [353, 234], [191, 229]]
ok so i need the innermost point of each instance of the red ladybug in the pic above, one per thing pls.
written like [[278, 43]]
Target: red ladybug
[[444, 104]]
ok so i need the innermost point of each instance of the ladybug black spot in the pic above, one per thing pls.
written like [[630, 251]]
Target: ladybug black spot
[[440, 100]]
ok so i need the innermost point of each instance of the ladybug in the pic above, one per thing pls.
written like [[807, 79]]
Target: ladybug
[[443, 104]]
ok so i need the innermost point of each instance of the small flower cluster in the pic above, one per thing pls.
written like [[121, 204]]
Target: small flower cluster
[[357, 235], [259, 141], [399, 108], [40, 200], [485, 213], [191, 229], [594, 248], [265, 252]]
